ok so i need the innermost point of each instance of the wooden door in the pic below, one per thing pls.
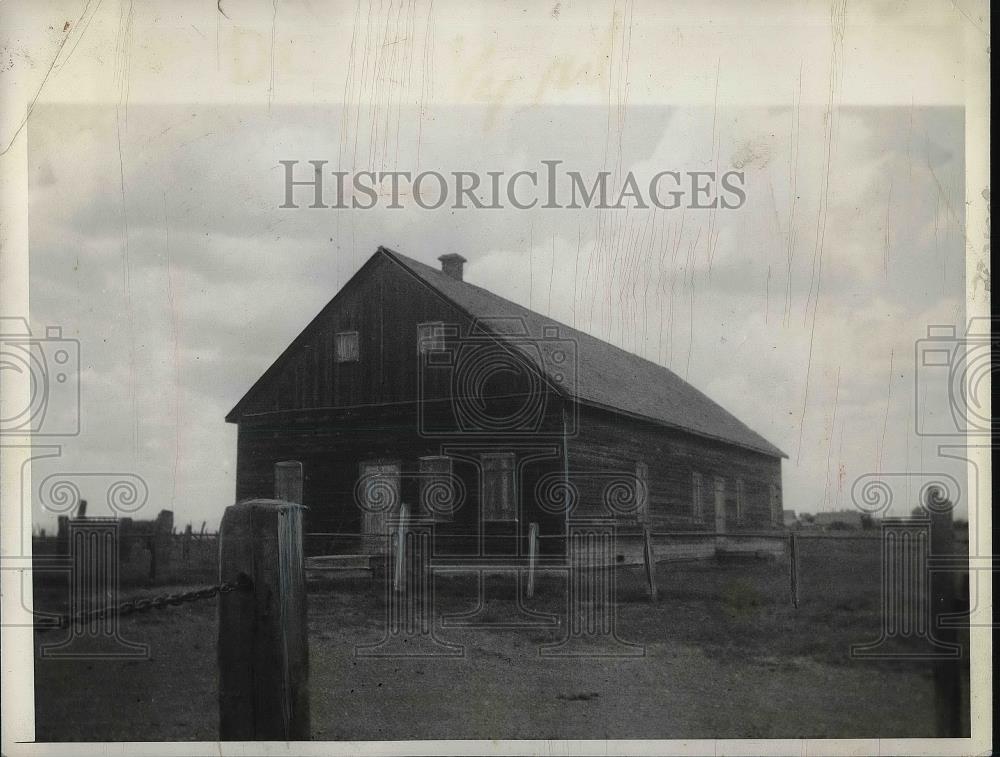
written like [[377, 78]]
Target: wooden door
[[381, 500], [499, 501], [720, 509]]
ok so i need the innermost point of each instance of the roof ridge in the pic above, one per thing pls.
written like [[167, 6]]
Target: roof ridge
[[407, 262], [408, 259]]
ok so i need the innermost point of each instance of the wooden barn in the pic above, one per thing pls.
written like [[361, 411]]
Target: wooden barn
[[414, 386]]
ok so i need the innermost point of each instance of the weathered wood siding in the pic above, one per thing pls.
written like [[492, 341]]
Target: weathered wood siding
[[332, 449], [608, 442], [394, 405], [385, 304]]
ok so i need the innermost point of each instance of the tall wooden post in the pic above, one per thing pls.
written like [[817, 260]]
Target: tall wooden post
[[400, 562], [288, 481], [94, 580], [409, 605], [186, 542], [649, 558], [159, 542], [793, 568], [151, 545], [62, 536], [947, 687], [591, 624], [263, 645], [532, 557], [124, 540], [164, 536]]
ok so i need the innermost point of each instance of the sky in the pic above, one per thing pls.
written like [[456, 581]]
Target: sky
[[157, 240]]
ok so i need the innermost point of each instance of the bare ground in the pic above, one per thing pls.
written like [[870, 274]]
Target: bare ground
[[724, 655]]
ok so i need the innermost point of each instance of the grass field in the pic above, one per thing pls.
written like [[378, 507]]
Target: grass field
[[725, 655]]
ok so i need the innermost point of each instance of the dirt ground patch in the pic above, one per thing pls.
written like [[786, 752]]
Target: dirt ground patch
[[723, 654]]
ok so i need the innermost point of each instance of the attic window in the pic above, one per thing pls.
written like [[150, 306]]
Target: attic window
[[346, 347], [430, 337]]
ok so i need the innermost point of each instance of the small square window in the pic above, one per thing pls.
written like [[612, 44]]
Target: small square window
[[346, 347], [430, 337]]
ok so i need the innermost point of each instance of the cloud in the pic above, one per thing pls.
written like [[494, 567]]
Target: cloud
[[183, 288]]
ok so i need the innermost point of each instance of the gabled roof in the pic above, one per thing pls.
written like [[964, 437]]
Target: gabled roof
[[606, 376]]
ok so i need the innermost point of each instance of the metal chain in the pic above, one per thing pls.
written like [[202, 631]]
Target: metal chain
[[145, 604]]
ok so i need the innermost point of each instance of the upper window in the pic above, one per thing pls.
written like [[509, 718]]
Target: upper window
[[776, 514], [346, 347], [740, 498], [430, 337]]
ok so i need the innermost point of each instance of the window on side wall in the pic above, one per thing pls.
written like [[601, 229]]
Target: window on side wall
[[437, 488], [499, 502], [697, 497], [740, 499], [346, 347]]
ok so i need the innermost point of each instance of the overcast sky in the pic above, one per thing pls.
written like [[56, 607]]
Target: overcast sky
[[157, 240]]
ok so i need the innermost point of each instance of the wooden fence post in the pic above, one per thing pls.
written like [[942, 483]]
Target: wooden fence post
[[263, 644], [532, 557], [793, 568], [397, 576], [649, 557], [288, 481], [159, 542], [591, 623], [62, 536], [124, 540], [164, 536], [947, 685], [151, 543]]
